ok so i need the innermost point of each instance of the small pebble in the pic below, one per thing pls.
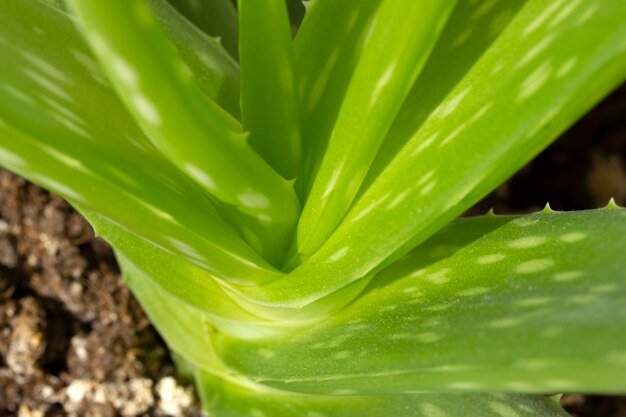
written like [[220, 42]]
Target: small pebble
[[173, 398]]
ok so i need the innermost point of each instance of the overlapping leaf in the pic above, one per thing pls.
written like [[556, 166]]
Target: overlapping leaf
[[161, 94], [523, 304], [519, 304], [546, 68], [215, 71], [210, 295], [62, 127], [217, 18], [393, 53], [470, 31], [200, 290]]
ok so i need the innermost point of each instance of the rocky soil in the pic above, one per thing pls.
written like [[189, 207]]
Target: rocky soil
[[73, 340]]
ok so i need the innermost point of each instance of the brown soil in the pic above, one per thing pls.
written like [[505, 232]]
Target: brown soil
[[73, 340]]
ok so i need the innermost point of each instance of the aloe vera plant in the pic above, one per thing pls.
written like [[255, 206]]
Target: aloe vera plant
[[284, 208]]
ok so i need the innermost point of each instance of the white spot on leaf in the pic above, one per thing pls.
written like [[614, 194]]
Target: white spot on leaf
[[489, 259], [573, 237], [146, 109], [254, 200], [534, 81], [527, 242], [338, 254], [534, 265], [124, 71]]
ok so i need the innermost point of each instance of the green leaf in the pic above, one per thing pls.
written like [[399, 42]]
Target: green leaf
[[180, 325], [244, 399], [393, 53], [503, 303], [161, 94], [469, 32], [217, 18], [190, 285], [62, 127], [215, 71], [58, 4], [269, 102], [539, 105], [326, 50], [546, 69], [196, 287]]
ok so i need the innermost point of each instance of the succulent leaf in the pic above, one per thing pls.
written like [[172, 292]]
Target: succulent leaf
[[216, 73], [62, 127], [161, 94], [326, 51], [459, 47], [176, 320], [486, 128], [392, 55], [269, 101], [214, 69], [192, 285], [216, 18], [500, 303], [386, 119], [230, 399]]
